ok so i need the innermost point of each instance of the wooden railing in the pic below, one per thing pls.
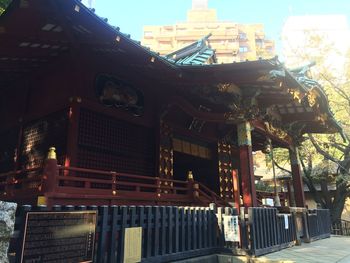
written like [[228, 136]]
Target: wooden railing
[[121, 185], [76, 183], [26, 182], [341, 227]]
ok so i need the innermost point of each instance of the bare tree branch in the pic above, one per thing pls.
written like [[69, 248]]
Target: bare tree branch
[[281, 168], [341, 92], [321, 151]]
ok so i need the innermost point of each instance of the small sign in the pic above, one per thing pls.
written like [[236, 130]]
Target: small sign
[[231, 228], [269, 202], [132, 244], [59, 236], [286, 225]]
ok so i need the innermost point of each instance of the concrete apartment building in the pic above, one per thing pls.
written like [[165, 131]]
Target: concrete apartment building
[[233, 42]]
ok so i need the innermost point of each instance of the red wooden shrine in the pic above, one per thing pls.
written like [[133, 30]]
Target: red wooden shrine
[[132, 127]]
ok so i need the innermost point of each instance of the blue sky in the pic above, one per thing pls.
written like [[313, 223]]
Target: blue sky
[[131, 15]]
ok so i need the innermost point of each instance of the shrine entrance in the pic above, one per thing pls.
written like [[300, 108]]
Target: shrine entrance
[[200, 159]]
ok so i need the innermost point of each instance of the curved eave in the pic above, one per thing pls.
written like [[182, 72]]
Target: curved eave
[[331, 126], [80, 31], [274, 90]]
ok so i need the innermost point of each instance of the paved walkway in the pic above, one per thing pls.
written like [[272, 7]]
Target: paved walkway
[[329, 250]]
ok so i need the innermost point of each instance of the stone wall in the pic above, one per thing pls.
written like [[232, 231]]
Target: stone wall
[[7, 221]]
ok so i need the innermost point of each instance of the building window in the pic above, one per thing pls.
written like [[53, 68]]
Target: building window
[[243, 49], [242, 36], [148, 34], [164, 43], [168, 28], [259, 43]]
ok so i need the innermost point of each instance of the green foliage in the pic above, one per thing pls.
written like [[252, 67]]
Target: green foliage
[[332, 71], [3, 5], [264, 187]]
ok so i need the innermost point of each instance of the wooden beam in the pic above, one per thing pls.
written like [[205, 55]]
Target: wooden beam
[[259, 127]]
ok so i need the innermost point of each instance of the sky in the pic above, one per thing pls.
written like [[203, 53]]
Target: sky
[[132, 15]]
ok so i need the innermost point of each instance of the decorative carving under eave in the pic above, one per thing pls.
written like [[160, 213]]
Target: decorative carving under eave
[[112, 91], [277, 132], [322, 118], [272, 75], [224, 93], [272, 115], [312, 96], [229, 88], [295, 131], [196, 124], [296, 95], [242, 114]]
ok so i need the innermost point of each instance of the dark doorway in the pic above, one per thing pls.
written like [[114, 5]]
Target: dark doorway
[[204, 170]]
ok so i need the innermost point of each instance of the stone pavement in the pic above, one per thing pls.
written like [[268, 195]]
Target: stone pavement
[[329, 250]]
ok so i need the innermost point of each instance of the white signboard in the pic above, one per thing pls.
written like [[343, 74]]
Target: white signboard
[[286, 221], [231, 228]]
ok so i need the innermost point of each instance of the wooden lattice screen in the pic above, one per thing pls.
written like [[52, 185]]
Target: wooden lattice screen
[[39, 135], [110, 144]]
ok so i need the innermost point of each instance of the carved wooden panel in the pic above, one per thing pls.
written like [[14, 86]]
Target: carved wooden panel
[[225, 170], [166, 154]]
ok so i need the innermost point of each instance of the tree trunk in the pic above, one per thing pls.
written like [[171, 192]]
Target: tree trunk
[[337, 210], [339, 201]]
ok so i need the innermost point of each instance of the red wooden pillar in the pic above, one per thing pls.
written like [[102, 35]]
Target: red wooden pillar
[[246, 164], [73, 129], [236, 193], [298, 184]]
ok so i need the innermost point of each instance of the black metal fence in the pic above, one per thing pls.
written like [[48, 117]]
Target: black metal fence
[[270, 231], [341, 227], [173, 233], [319, 224], [168, 233]]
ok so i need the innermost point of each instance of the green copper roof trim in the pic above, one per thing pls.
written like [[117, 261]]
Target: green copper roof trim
[[197, 53]]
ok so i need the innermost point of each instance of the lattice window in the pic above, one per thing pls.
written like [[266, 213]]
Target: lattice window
[[38, 136], [109, 144]]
